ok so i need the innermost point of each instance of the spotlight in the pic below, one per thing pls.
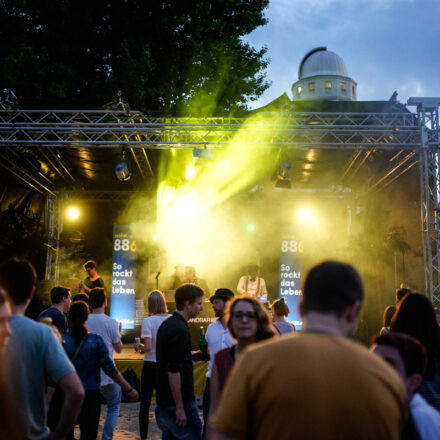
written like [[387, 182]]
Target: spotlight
[[190, 172], [306, 216], [283, 175], [72, 213], [122, 172]]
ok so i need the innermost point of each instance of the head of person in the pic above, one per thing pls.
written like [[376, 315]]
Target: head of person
[[97, 298], [415, 317], [5, 317], [280, 308], [77, 316], [90, 267], [18, 279], [333, 288], [401, 292], [156, 303], [253, 270], [189, 299], [388, 315], [190, 272], [219, 301], [60, 296], [406, 355], [81, 297], [179, 270], [247, 320]]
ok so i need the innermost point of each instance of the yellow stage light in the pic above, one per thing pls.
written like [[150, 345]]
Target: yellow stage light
[[306, 215], [155, 238], [72, 213], [190, 172]]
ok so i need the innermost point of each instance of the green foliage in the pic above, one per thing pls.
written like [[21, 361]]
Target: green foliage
[[166, 56]]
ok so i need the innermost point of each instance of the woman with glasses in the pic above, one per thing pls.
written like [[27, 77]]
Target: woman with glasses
[[248, 323]]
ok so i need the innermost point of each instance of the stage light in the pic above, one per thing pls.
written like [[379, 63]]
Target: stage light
[[122, 172], [203, 153], [250, 227], [305, 215], [155, 238], [190, 172], [72, 213], [283, 175]]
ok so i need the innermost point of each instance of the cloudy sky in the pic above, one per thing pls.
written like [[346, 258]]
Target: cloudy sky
[[387, 45]]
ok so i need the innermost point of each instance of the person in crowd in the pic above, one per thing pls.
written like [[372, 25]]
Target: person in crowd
[[401, 292], [280, 310], [5, 318], [176, 410], [192, 278], [386, 319], [158, 313], [248, 322], [408, 357], [109, 330], [302, 385], [61, 299], [34, 354], [81, 297], [415, 317], [12, 421], [218, 338], [252, 284], [89, 354], [92, 280]]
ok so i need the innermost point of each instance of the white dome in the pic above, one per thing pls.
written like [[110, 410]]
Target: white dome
[[321, 61]]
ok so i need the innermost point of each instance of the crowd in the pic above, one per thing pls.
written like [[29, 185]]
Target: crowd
[[265, 380]]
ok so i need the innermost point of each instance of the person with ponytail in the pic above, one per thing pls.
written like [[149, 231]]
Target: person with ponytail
[[279, 312], [89, 354]]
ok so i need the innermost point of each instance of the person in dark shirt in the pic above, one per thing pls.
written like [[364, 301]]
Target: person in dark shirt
[[93, 280], [61, 299], [176, 410]]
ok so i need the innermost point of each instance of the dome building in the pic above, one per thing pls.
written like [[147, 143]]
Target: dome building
[[322, 75]]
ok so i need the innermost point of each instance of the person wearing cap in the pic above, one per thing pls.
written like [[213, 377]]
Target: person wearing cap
[[218, 338], [178, 277], [252, 284]]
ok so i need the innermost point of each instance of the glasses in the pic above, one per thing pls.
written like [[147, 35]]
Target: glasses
[[241, 315]]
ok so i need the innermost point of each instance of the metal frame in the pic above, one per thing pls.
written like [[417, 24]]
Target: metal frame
[[402, 130]]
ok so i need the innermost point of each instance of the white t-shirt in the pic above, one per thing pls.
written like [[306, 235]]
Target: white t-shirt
[[218, 338], [254, 288], [426, 418], [108, 328], [150, 326]]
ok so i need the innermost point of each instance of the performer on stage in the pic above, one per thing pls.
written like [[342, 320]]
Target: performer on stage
[[191, 278], [178, 277], [252, 284], [93, 280]]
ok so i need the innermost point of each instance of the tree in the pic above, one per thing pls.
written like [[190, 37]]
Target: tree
[[167, 56]]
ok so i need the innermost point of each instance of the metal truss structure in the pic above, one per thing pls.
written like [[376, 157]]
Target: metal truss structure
[[401, 130]]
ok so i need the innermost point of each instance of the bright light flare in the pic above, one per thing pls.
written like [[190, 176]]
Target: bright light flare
[[306, 216], [72, 213], [190, 172]]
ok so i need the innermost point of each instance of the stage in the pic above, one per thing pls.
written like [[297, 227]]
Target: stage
[[128, 358]]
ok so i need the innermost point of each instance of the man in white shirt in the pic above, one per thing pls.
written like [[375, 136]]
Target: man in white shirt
[[408, 357], [218, 338], [252, 284], [108, 328]]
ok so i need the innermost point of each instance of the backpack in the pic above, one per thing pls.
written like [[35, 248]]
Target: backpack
[[130, 376]]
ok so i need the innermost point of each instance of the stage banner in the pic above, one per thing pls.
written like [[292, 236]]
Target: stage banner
[[123, 296], [291, 274]]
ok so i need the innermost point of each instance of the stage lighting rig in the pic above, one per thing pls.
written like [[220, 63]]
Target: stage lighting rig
[[122, 172]]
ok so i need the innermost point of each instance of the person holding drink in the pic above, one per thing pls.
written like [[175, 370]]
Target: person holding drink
[[158, 313]]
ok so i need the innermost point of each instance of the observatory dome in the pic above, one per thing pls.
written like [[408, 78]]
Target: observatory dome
[[322, 74]]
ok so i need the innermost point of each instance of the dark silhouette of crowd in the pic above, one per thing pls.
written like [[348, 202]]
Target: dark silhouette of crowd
[[265, 379]]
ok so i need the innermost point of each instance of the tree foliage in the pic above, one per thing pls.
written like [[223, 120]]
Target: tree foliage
[[168, 56]]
